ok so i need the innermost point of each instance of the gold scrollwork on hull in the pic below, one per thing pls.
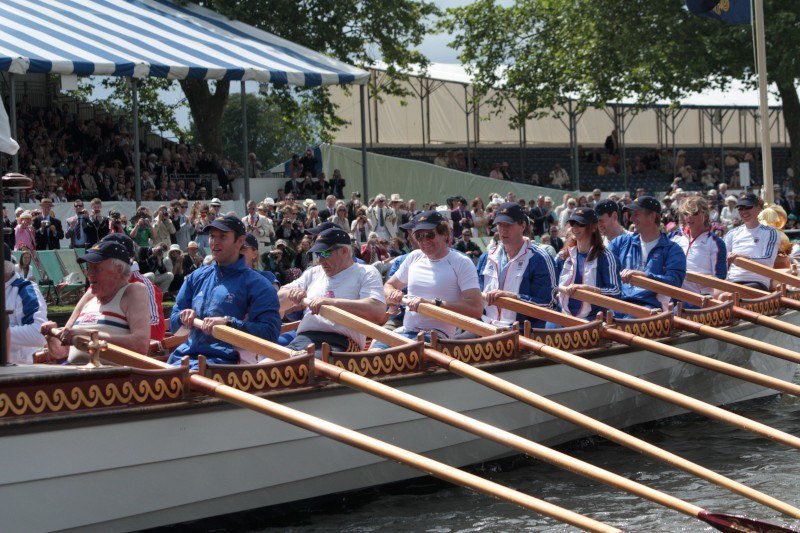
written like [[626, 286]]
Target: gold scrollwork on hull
[[651, 329], [481, 351], [581, 339], [794, 295], [379, 364], [767, 306], [716, 318], [78, 398], [264, 377]]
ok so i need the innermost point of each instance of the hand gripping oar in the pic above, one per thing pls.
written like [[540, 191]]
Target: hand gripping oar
[[690, 357], [351, 321], [742, 290], [347, 436], [602, 371], [745, 314], [771, 273]]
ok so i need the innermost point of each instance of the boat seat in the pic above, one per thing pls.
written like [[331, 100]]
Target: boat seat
[[571, 338], [273, 375], [403, 359], [652, 327], [769, 305], [499, 347], [717, 316]]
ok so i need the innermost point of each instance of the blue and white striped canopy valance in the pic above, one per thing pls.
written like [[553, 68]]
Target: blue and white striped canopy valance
[[143, 38]]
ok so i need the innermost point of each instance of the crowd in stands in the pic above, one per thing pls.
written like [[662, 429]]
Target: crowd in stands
[[70, 158]]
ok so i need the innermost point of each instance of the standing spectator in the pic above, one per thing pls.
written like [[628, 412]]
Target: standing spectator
[[182, 224], [361, 227], [292, 186], [382, 218], [309, 162], [47, 227], [289, 229], [340, 217], [330, 208], [321, 187], [372, 251], [96, 226], [260, 226], [24, 236], [163, 228], [174, 264], [462, 218], [76, 226], [468, 247], [151, 263], [612, 142], [141, 228], [192, 259], [555, 241], [8, 226], [337, 183], [253, 166]]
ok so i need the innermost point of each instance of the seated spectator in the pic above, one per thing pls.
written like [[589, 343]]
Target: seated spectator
[[192, 259], [174, 264], [468, 247], [496, 173], [372, 251], [559, 177], [152, 267]]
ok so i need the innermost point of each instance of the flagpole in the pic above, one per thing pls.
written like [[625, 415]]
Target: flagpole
[[761, 67]]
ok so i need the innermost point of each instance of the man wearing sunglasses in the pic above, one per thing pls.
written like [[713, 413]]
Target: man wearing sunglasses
[[515, 268], [339, 281], [751, 240], [648, 253], [436, 275]]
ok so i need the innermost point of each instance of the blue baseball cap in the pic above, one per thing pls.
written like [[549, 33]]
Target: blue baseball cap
[[511, 213], [644, 202], [330, 238], [583, 216], [105, 250], [226, 223]]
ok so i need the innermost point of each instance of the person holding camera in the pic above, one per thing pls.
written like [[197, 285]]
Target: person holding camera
[[182, 224], [259, 226], [361, 227], [337, 184], [76, 231], [96, 226], [152, 265], [289, 229], [141, 228], [47, 227], [116, 225], [163, 228]]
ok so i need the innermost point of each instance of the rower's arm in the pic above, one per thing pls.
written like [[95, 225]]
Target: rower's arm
[[135, 305], [674, 271]]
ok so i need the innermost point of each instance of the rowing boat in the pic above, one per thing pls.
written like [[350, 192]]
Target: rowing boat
[[117, 448]]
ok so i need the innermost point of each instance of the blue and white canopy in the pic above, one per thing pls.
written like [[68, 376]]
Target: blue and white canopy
[[143, 38]]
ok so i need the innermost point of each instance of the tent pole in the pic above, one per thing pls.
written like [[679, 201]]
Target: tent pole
[[466, 115], [573, 146], [623, 151], [245, 148], [674, 149], [761, 65], [12, 119], [137, 179], [364, 175], [422, 114]]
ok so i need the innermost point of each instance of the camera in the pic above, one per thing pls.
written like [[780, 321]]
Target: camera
[[115, 215], [357, 194]]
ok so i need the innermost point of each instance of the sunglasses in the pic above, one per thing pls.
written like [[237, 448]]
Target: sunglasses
[[325, 254], [744, 208], [574, 223], [425, 235]]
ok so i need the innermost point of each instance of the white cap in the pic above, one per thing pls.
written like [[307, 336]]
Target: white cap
[[215, 201]]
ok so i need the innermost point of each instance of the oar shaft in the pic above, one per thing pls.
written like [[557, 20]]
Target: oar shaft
[[363, 442], [651, 389], [764, 270], [690, 357], [544, 404]]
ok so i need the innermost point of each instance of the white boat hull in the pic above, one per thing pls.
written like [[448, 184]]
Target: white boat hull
[[131, 472]]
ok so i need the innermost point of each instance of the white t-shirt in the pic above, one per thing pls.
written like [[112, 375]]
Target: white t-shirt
[[647, 247], [356, 282], [444, 278], [760, 244], [606, 241]]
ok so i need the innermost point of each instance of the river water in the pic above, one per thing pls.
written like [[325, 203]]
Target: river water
[[430, 506]]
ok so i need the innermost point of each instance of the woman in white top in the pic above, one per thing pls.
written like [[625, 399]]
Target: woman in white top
[[730, 216], [751, 240]]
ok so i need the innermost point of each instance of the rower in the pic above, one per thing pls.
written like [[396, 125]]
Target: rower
[[515, 268], [608, 220], [434, 274], [337, 280], [705, 252], [648, 253], [752, 240], [154, 294], [28, 313], [114, 307], [585, 263], [227, 293]]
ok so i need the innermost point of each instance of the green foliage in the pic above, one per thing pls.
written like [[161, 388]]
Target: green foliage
[[272, 133]]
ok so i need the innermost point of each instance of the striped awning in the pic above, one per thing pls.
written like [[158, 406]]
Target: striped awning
[[142, 38]]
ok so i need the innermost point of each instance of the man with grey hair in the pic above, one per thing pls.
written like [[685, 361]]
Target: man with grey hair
[[112, 306], [383, 218]]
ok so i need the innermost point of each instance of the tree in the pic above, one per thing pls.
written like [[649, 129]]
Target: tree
[[353, 31], [272, 134], [545, 51]]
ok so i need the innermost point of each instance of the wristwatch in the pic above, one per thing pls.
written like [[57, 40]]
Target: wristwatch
[[228, 320], [438, 302]]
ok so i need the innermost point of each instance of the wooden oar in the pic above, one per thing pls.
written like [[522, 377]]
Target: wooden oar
[[742, 290], [351, 321], [763, 270], [481, 429], [690, 357], [383, 449], [651, 389], [745, 314]]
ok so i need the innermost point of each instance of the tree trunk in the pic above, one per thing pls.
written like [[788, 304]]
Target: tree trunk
[[791, 117], [207, 109]]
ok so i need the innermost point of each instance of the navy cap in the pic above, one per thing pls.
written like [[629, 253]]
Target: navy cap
[[105, 250], [226, 223], [330, 238], [122, 239], [644, 202], [411, 223], [426, 220], [748, 199], [322, 227], [583, 216], [251, 241], [606, 207], [510, 212]]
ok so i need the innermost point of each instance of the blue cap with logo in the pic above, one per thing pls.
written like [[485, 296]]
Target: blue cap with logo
[[330, 238], [105, 250], [511, 213], [644, 202], [226, 223]]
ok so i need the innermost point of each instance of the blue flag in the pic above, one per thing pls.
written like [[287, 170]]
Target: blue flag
[[729, 11]]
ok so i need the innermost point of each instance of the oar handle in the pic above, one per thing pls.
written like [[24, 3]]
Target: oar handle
[[728, 286], [247, 341], [671, 291], [535, 311], [763, 270], [611, 303]]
